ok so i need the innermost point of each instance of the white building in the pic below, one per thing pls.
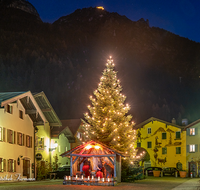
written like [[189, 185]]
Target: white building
[[23, 116]]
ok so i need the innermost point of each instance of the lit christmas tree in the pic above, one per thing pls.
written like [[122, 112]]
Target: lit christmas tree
[[108, 121]]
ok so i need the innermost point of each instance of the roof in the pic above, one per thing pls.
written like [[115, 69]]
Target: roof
[[28, 101], [73, 124], [192, 124], [37, 107], [80, 150], [155, 119], [56, 131], [47, 109]]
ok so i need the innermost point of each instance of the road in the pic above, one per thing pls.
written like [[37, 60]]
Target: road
[[151, 183]]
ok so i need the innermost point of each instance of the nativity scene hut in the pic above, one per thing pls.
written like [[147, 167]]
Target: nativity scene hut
[[96, 153]]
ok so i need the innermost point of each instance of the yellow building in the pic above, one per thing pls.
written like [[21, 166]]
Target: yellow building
[[165, 142]]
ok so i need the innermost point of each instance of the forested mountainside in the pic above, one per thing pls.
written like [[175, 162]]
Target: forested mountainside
[[159, 71]]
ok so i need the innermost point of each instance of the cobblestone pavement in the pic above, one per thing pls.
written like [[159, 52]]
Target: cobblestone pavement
[[151, 183]]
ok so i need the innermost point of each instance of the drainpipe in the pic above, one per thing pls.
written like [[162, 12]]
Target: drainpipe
[[34, 153]]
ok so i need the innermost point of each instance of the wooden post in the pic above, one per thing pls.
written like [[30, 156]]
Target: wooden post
[[115, 168], [118, 168], [71, 165]]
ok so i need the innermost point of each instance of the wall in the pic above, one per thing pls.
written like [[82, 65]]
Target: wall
[[193, 140], [157, 158], [13, 151], [63, 146]]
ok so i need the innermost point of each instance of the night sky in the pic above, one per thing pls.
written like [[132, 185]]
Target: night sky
[[181, 17]]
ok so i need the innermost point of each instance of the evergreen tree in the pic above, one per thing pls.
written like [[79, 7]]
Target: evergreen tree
[[108, 121]]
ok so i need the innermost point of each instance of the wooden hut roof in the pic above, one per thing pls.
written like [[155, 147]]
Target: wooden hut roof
[[80, 150]]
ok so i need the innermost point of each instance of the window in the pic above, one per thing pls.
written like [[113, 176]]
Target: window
[[28, 141], [178, 150], [164, 135], [149, 130], [1, 164], [66, 148], [192, 148], [139, 144], [11, 136], [148, 144], [20, 139], [59, 148], [192, 131], [11, 165], [1, 134], [178, 135], [79, 135], [21, 114], [164, 150], [9, 109]]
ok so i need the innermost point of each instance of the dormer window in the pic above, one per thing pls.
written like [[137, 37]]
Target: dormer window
[[21, 114], [9, 109], [148, 130]]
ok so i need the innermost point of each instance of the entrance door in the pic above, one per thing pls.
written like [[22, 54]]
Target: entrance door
[[192, 168], [26, 168]]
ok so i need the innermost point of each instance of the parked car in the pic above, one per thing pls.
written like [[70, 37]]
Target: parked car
[[170, 171], [150, 170], [61, 172]]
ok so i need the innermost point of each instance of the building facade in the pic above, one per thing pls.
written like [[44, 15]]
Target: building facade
[[193, 148], [17, 132], [165, 143]]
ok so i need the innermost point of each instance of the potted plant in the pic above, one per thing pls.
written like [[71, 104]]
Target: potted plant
[[156, 172], [182, 173]]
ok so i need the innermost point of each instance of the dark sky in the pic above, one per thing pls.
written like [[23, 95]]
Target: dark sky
[[181, 17]]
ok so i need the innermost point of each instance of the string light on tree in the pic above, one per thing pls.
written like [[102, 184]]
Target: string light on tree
[[109, 123]]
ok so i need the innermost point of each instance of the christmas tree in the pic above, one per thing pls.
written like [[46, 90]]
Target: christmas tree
[[107, 120]]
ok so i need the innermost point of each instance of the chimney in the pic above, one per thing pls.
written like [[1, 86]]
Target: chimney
[[184, 122], [173, 121]]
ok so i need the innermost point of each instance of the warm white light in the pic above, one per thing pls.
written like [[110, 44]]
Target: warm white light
[[88, 147]]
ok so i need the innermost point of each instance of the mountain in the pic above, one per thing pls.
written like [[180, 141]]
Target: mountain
[[159, 70]]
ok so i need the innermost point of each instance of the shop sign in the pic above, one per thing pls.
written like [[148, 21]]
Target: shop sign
[[38, 156]]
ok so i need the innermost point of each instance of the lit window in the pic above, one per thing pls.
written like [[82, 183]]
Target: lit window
[[164, 150], [164, 135], [59, 148], [66, 148], [178, 135], [178, 150], [149, 130], [192, 148], [21, 114], [192, 131]]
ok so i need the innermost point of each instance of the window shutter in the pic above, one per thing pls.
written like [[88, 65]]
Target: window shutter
[[8, 132], [14, 139], [4, 165], [26, 140], [187, 147], [14, 165], [196, 147], [30, 142], [23, 140], [17, 137], [4, 134], [8, 165], [188, 131], [196, 131]]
